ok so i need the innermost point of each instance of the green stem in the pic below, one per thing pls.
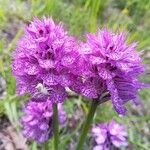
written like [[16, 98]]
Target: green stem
[[87, 124], [46, 146], [55, 127]]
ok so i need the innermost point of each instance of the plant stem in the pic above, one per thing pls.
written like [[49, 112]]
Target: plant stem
[[55, 126], [46, 147], [87, 124]]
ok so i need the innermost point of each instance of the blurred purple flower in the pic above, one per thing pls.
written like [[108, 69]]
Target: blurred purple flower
[[43, 57], [108, 135], [37, 120], [109, 65]]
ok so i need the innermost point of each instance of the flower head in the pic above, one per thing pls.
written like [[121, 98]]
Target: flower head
[[108, 135], [114, 64], [37, 120], [41, 57]]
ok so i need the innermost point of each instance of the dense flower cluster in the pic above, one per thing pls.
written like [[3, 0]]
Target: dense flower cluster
[[40, 64], [41, 57], [47, 61], [47, 56], [110, 66], [37, 121], [108, 135]]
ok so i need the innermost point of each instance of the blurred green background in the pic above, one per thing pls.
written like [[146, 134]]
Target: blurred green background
[[79, 17]]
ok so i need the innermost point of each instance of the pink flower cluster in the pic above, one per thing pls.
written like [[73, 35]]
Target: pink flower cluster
[[47, 60], [108, 135]]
